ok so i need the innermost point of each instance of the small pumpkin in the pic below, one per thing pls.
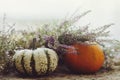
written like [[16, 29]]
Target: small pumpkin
[[84, 57], [40, 61]]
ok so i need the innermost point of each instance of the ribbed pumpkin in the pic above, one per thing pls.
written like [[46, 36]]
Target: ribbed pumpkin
[[36, 62], [84, 57]]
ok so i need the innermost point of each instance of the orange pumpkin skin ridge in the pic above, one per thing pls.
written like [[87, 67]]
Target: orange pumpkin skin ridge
[[89, 58]]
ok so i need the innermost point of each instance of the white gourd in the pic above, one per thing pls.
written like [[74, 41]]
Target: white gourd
[[40, 61]]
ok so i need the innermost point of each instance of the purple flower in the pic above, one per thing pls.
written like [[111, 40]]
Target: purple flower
[[62, 49], [49, 41]]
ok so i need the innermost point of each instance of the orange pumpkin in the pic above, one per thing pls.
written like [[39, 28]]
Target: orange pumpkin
[[84, 58]]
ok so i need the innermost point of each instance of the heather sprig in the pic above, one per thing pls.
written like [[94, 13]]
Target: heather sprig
[[82, 34]]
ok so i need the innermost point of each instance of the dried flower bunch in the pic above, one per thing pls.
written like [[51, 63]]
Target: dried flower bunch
[[83, 33], [7, 45], [64, 33], [98, 35]]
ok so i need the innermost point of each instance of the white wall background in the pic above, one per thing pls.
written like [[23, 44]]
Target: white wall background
[[27, 11]]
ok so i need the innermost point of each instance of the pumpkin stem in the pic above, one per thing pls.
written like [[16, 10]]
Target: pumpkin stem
[[33, 44]]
